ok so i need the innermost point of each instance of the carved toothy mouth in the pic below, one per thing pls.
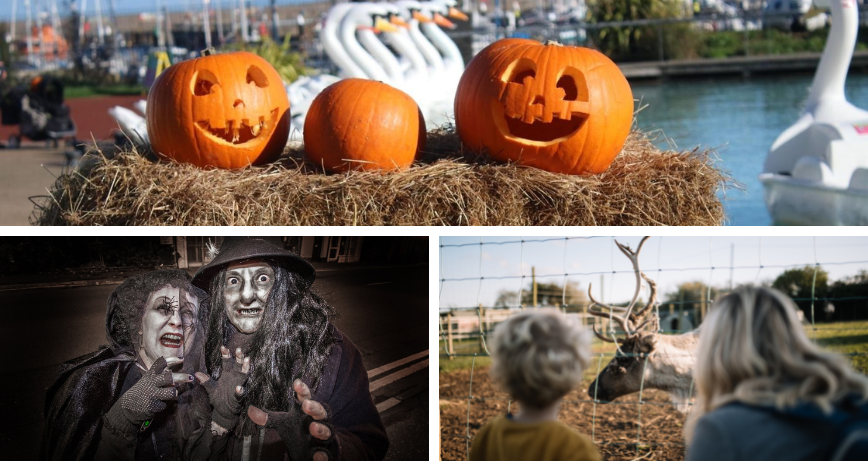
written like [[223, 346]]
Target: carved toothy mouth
[[557, 130], [241, 133], [538, 132]]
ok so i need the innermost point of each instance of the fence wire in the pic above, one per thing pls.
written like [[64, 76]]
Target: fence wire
[[481, 331]]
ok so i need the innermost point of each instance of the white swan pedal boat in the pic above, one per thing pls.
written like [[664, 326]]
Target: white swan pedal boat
[[816, 172]]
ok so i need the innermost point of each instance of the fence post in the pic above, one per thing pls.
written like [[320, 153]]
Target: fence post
[[681, 313], [481, 337], [449, 334]]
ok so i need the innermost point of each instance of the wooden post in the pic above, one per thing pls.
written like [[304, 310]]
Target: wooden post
[[533, 280], [681, 312], [481, 338], [449, 335]]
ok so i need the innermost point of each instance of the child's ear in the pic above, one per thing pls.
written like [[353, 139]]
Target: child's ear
[[647, 342]]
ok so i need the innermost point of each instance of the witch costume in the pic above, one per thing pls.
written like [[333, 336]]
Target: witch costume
[[105, 405], [294, 339]]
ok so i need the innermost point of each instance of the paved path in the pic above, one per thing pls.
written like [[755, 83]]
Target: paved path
[[23, 171]]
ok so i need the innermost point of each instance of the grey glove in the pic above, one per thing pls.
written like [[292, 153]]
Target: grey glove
[[222, 396], [135, 409], [293, 427]]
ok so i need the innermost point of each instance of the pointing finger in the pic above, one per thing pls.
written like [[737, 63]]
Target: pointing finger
[[245, 367], [178, 378]]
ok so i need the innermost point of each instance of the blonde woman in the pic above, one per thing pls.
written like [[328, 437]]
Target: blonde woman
[[764, 390], [538, 358]]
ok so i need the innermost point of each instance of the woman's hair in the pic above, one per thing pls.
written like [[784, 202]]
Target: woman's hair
[[538, 357], [293, 339], [753, 349], [126, 307]]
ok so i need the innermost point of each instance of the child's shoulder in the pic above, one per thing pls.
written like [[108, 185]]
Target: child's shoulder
[[573, 440]]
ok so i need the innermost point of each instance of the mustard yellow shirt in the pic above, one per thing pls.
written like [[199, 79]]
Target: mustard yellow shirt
[[502, 439]]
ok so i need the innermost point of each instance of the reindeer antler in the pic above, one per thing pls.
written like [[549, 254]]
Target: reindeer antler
[[628, 319]]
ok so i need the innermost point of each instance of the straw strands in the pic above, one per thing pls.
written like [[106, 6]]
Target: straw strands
[[448, 186]]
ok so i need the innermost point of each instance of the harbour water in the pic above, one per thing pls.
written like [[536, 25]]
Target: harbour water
[[739, 118]]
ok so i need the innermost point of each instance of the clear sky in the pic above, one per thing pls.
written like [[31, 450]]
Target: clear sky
[[123, 7], [670, 261]]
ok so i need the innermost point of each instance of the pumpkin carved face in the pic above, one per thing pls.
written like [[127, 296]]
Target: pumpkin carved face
[[227, 111], [540, 109], [562, 109]]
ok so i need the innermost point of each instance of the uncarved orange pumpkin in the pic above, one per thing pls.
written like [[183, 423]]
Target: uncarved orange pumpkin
[[363, 124], [559, 108], [221, 110]]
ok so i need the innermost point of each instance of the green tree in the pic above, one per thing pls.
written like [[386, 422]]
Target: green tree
[[548, 294], [639, 43], [799, 285], [693, 294], [849, 296]]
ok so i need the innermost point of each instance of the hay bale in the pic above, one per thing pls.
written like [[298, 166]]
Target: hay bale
[[644, 186]]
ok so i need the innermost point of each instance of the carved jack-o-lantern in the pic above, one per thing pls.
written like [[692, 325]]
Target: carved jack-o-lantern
[[559, 108], [228, 111]]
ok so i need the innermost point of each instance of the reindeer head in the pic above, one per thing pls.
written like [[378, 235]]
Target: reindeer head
[[623, 375]]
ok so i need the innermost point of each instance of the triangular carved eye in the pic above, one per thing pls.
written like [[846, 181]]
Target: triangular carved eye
[[257, 76], [519, 70], [203, 82]]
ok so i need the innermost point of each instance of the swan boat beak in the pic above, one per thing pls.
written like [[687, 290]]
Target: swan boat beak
[[455, 13]]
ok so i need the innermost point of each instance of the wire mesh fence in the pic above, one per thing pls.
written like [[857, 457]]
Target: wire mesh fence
[[647, 421]]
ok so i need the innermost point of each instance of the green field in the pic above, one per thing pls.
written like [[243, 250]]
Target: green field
[[72, 91], [839, 337], [844, 338]]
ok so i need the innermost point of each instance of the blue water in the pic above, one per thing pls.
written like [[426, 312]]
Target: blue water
[[740, 119]]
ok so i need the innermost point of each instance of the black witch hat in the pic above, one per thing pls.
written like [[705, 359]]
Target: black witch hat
[[237, 249]]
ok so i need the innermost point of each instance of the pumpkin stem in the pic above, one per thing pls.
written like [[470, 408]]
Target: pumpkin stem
[[208, 51], [553, 42]]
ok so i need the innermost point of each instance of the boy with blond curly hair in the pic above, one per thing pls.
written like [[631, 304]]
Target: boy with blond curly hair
[[537, 357]]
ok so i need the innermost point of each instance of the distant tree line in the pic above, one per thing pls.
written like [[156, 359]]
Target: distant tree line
[[848, 297]]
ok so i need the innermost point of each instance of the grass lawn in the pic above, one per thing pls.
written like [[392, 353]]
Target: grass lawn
[[464, 359], [844, 338], [72, 91], [839, 337]]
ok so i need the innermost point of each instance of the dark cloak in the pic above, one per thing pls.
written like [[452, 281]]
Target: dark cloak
[[88, 386]]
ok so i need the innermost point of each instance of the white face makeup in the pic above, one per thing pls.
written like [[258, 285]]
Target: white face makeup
[[247, 286], [167, 324]]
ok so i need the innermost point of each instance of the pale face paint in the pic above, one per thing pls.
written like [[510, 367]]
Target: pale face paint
[[247, 286], [167, 324]]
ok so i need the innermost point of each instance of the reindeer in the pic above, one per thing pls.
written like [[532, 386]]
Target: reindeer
[[670, 358]]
